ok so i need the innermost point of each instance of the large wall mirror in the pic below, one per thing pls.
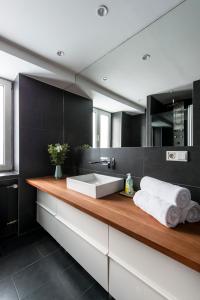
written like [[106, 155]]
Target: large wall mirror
[[155, 68]]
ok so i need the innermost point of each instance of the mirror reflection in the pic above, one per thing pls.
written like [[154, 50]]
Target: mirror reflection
[[118, 129], [171, 119], [168, 121]]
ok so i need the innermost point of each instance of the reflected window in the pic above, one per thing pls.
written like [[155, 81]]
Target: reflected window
[[1, 125], [101, 128]]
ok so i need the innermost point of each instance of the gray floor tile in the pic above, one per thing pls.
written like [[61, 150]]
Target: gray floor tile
[[40, 269], [96, 292], [47, 245], [10, 245], [76, 281], [52, 290], [38, 274], [16, 261]]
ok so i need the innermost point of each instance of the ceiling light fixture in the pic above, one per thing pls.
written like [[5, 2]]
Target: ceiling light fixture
[[102, 10], [105, 78], [146, 56], [60, 53]]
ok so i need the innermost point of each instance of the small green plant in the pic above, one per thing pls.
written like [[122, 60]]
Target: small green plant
[[58, 153], [84, 147]]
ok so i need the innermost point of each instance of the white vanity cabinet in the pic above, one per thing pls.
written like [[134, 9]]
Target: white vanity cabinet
[[127, 268], [137, 271], [46, 211], [82, 236]]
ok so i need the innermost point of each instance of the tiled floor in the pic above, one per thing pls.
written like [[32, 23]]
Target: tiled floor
[[35, 267]]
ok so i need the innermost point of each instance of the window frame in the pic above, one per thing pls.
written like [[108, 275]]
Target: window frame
[[96, 141], [7, 126]]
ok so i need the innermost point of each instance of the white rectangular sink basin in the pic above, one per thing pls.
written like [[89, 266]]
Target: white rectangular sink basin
[[95, 185]]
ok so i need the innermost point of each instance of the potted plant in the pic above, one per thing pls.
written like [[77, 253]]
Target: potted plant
[[58, 153]]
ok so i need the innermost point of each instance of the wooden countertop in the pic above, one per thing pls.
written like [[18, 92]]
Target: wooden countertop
[[181, 243]]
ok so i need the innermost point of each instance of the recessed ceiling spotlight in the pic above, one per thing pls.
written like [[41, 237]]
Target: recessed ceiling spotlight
[[102, 10], [60, 53], [105, 78], [146, 56]]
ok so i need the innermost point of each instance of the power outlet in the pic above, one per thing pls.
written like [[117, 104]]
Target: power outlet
[[177, 155]]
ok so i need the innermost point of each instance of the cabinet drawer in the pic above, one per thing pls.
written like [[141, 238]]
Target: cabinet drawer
[[47, 201], [46, 220], [92, 260], [165, 275], [125, 286], [89, 228]]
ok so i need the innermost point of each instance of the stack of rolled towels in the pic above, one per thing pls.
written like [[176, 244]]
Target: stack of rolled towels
[[168, 203]]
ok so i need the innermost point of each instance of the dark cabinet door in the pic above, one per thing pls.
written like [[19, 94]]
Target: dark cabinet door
[[8, 208]]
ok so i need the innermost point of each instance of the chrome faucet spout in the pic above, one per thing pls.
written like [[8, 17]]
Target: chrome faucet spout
[[105, 161]]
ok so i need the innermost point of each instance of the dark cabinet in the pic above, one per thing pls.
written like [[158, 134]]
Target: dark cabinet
[[8, 208]]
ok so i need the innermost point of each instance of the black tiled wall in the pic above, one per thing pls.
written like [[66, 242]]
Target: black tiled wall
[[148, 161], [196, 112], [46, 115]]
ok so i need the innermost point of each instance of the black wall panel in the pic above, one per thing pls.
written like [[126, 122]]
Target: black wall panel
[[77, 120], [46, 115]]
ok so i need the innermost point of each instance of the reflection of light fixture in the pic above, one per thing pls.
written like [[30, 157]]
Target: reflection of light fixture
[[60, 53], [105, 78], [146, 56], [173, 99], [102, 10]]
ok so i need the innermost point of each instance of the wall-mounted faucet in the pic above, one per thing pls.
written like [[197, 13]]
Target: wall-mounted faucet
[[105, 161]]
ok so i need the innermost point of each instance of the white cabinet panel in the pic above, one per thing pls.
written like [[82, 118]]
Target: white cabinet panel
[[47, 201], [167, 276], [46, 220], [125, 286], [89, 257], [89, 228]]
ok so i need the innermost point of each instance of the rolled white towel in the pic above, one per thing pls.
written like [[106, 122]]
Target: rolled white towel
[[191, 213], [165, 212], [171, 193]]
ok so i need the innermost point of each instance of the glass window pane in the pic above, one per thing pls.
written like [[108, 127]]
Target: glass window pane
[[1, 125], [104, 131]]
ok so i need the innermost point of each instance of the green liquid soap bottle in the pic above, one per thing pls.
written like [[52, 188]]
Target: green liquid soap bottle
[[129, 185]]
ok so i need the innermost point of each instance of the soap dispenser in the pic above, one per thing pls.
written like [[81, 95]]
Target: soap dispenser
[[129, 185]]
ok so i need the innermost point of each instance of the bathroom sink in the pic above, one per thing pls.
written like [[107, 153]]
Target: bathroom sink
[[95, 185]]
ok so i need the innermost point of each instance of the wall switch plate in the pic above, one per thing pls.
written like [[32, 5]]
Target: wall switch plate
[[177, 155]]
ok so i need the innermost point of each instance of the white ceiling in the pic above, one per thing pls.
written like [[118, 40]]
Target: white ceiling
[[74, 27], [108, 104], [111, 46], [11, 66]]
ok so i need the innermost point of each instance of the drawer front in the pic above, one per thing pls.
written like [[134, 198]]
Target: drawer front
[[167, 276], [93, 261], [47, 201], [46, 220], [125, 286], [89, 228]]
